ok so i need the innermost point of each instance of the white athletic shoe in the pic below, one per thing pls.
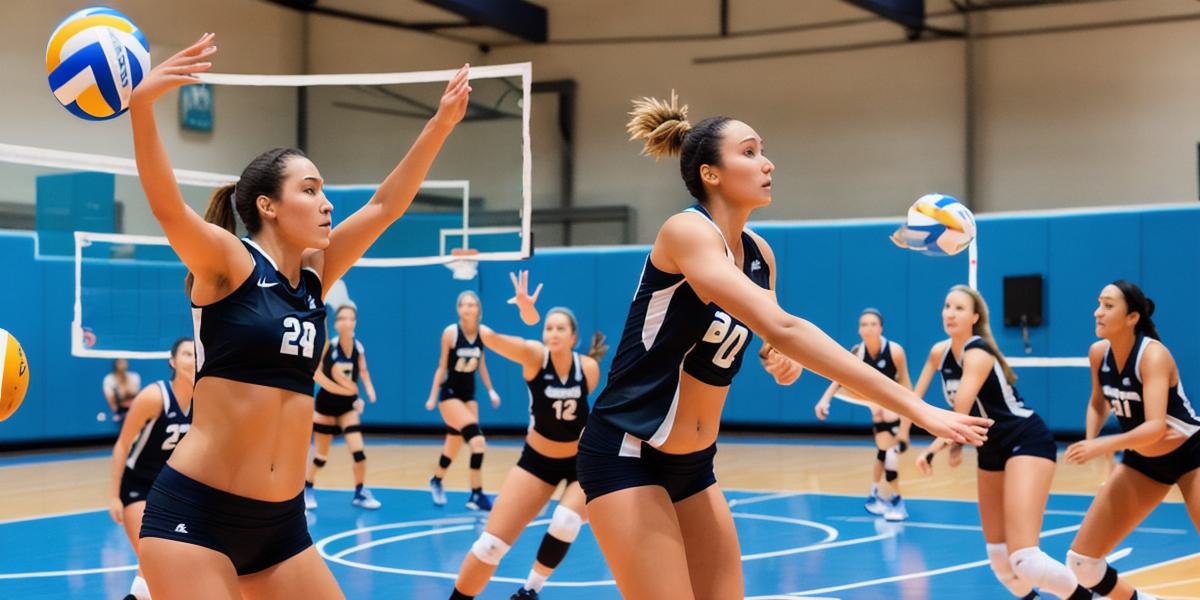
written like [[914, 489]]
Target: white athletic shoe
[[895, 510], [310, 498], [365, 499], [875, 505]]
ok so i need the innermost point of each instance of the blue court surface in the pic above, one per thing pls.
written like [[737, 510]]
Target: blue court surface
[[793, 544]]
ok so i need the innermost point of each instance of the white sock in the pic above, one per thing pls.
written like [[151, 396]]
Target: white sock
[[139, 588], [536, 581]]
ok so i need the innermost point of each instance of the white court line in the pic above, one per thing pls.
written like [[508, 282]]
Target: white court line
[[68, 573], [921, 574], [754, 500], [52, 515], [916, 524], [1162, 564]]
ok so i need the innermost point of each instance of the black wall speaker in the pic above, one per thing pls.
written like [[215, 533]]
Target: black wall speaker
[[1023, 300]]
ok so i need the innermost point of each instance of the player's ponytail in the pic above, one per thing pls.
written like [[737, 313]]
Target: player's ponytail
[[262, 177], [598, 348], [666, 132], [983, 329], [1137, 302]]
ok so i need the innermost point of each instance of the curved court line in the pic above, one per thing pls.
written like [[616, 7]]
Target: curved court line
[[831, 535], [67, 573], [419, 534], [921, 574]]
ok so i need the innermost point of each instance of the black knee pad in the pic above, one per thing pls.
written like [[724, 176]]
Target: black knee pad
[[1107, 583], [352, 429], [444, 462], [476, 460], [881, 455], [326, 429], [452, 431], [886, 426], [552, 551], [471, 431], [902, 446], [359, 456], [318, 462], [891, 476]]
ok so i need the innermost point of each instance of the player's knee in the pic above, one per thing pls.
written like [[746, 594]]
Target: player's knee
[[891, 459], [1093, 573], [998, 557], [476, 460], [325, 429], [471, 432], [319, 461], [565, 524], [359, 456], [1036, 567], [489, 549]]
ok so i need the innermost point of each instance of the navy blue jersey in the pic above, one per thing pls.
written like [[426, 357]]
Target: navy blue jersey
[[996, 400], [884, 363], [159, 436], [461, 364], [347, 364], [266, 332], [558, 408], [670, 331], [1123, 389]]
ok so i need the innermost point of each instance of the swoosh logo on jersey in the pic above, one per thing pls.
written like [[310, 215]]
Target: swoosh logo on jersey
[[262, 283], [171, 415]]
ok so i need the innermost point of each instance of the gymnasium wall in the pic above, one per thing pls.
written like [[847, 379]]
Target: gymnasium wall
[[1100, 116], [828, 271]]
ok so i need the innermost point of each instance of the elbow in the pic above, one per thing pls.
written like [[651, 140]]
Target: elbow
[[783, 327]]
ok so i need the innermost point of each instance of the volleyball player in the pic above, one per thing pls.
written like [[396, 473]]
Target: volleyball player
[[559, 380], [454, 395], [646, 456], [158, 417], [1134, 376], [337, 407], [1016, 463], [891, 432], [225, 517]]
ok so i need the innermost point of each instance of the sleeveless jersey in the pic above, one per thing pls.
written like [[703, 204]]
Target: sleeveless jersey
[[882, 363], [1123, 389], [335, 359], [670, 331], [265, 332], [159, 436], [558, 408], [996, 400], [461, 364]]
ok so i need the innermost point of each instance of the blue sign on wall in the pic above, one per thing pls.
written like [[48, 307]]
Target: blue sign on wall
[[196, 107]]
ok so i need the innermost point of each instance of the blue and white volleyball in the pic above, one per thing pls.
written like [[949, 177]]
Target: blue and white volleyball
[[937, 225], [94, 59]]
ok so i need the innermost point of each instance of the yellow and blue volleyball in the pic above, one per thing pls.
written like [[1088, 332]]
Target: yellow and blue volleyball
[[94, 59], [938, 225], [14, 374]]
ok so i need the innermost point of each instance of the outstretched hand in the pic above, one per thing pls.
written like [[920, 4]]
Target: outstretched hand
[[177, 71], [525, 301], [453, 106]]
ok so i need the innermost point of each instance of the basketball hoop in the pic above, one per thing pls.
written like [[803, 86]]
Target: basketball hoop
[[463, 267]]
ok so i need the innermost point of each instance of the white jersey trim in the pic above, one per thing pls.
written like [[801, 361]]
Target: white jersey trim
[[656, 313], [664, 430], [144, 436], [197, 315]]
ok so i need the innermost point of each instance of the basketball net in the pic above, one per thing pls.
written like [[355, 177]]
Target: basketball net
[[463, 267]]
